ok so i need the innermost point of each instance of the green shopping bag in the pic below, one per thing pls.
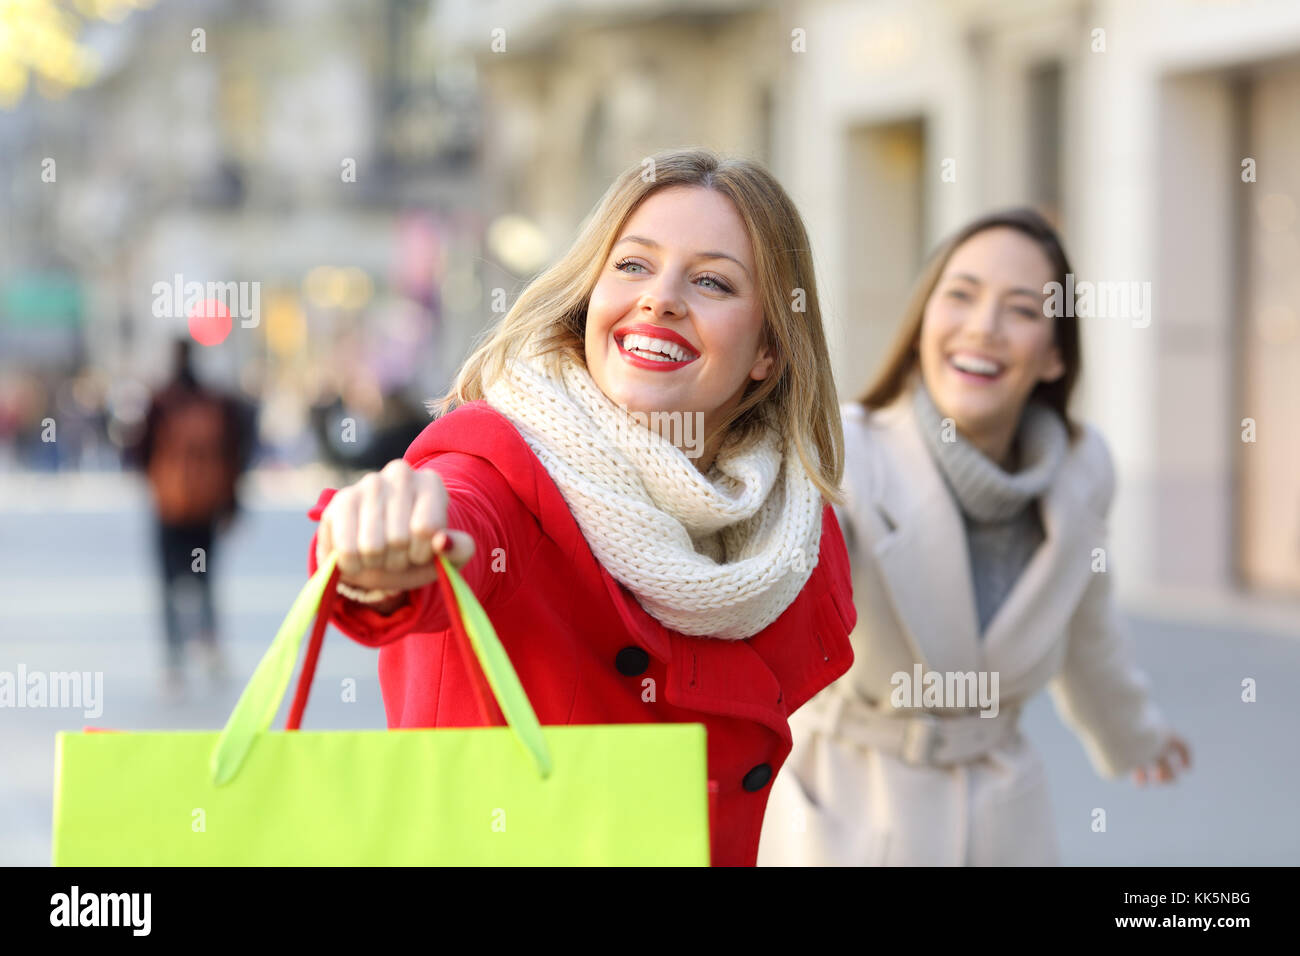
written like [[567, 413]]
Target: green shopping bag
[[619, 794]]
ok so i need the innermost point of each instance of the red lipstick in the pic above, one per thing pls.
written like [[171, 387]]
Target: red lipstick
[[654, 332]]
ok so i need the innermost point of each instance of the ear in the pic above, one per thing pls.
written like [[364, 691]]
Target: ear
[[1054, 368], [763, 363]]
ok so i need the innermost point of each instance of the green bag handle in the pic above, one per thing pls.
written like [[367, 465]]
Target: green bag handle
[[257, 705]]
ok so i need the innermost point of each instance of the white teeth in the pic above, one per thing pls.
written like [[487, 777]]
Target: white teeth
[[975, 364], [654, 348]]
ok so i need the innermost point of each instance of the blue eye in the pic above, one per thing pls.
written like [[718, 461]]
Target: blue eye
[[620, 265], [719, 283]]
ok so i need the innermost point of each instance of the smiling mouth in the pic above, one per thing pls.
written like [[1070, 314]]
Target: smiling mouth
[[649, 348], [976, 365]]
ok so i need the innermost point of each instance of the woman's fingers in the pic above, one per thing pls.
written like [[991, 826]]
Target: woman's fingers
[[456, 546], [341, 515], [1184, 752], [1175, 747], [459, 549], [412, 578], [428, 516], [397, 514], [1162, 768], [387, 527], [324, 540], [370, 521]]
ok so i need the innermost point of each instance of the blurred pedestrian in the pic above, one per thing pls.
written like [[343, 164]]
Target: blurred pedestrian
[[196, 442]]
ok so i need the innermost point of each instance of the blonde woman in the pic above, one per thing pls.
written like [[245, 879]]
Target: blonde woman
[[635, 471], [975, 519]]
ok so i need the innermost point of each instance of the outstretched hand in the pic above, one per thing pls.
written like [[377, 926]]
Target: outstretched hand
[[1162, 768], [387, 527]]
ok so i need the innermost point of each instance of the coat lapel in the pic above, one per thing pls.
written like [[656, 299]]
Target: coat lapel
[[924, 556], [923, 552], [1037, 612]]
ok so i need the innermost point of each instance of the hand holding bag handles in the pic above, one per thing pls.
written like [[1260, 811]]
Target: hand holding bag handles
[[471, 628]]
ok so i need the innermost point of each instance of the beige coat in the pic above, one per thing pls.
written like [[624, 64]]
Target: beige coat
[[840, 802]]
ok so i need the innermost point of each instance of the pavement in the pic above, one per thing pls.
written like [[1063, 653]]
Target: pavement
[[78, 592]]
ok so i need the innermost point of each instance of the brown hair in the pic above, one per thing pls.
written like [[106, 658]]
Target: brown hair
[[903, 358], [799, 395]]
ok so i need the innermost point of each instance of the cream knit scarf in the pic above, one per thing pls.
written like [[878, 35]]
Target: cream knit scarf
[[719, 555]]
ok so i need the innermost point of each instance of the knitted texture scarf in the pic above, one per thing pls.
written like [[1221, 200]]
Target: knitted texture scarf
[[1003, 527], [721, 554]]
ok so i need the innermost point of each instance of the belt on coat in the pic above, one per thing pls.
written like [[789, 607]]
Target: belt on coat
[[916, 738]]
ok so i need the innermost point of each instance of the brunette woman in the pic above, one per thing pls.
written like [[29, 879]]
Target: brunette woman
[[975, 519]]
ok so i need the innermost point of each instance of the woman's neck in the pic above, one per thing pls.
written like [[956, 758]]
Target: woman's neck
[[704, 461], [997, 443]]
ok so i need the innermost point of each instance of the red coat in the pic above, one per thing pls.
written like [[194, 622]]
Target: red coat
[[581, 643]]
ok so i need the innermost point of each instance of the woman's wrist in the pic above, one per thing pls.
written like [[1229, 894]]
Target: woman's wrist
[[383, 603], [373, 597], [389, 605]]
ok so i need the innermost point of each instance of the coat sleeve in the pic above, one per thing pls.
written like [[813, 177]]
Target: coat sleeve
[[479, 501], [1100, 692]]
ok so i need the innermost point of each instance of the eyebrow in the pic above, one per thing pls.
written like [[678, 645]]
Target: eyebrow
[[1018, 290], [642, 240]]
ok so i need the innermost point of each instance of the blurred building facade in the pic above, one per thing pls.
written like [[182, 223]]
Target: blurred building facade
[[1128, 122], [483, 131], [309, 156]]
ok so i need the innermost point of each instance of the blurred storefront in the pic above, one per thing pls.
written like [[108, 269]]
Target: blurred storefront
[[1127, 123], [389, 172], [893, 121], [311, 155]]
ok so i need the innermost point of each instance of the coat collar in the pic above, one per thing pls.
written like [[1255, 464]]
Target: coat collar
[[924, 558], [752, 679]]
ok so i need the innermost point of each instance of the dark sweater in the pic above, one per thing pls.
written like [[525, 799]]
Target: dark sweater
[[998, 508]]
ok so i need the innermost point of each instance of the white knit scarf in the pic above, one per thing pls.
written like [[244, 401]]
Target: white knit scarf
[[719, 555]]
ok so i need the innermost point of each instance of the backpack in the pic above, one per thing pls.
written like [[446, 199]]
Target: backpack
[[191, 471]]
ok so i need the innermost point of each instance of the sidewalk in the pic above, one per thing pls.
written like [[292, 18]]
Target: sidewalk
[[261, 489], [296, 489], [78, 591]]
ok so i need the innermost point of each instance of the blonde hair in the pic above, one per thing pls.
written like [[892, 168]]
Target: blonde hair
[[798, 396]]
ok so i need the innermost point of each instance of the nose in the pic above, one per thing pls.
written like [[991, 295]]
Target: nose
[[662, 298], [984, 318]]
